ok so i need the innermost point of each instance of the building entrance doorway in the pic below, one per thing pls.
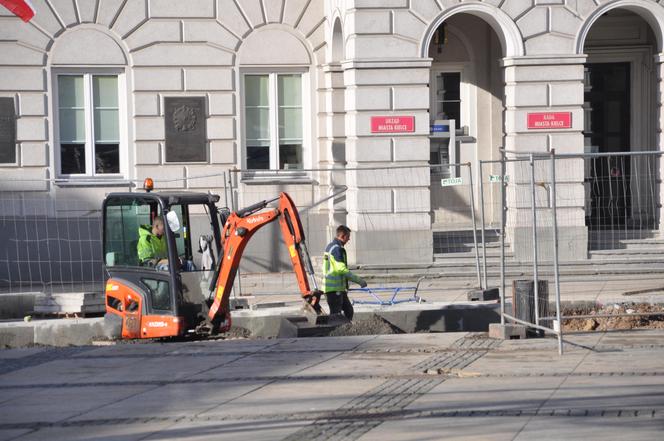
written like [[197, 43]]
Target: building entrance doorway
[[623, 186], [466, 86], [607, 130]]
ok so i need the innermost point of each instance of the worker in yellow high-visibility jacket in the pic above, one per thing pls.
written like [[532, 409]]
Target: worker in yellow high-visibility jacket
[[336, 275], [151, 246]]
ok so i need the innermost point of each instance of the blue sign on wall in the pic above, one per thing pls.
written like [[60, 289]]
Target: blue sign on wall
[[440, 128]]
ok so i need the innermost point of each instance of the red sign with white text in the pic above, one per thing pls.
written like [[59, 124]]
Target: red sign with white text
[[550, 120], [392, 124]]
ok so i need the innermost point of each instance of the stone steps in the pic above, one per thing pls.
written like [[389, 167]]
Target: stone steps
[[629, 253], [458, 241], [466, 268]]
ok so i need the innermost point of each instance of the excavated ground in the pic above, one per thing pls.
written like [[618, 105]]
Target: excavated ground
[[373, 326], [618, 322]]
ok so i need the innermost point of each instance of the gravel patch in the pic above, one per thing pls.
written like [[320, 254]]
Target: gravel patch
[[373, 326]]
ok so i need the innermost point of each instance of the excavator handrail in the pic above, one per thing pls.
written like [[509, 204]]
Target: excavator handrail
[[244, 212]]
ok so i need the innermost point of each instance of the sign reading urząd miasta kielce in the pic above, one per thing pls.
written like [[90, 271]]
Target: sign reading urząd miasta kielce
[[550, 120], [392, 124]]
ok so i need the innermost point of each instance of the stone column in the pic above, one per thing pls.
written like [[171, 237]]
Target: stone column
[[332, 143], [535, 84], [659, 140], [388, 209]]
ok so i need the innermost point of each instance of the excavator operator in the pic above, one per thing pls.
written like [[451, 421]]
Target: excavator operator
[[152, 249], [336, 275], [151, 245]]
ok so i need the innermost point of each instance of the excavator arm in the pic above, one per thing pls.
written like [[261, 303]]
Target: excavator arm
[[291, 231], [238, 230]]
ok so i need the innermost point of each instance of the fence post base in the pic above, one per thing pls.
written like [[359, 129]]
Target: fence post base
[[483, 295], [507, 331]]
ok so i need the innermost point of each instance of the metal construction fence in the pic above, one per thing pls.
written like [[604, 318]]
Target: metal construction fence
[[475, 224], [558, 215], [52, 229], [528, 215]]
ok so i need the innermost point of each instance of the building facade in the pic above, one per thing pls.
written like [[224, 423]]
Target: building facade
[[108, 92]]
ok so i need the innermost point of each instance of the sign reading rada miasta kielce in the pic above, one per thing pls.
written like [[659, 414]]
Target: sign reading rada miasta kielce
[[392, 124], [550, 120]]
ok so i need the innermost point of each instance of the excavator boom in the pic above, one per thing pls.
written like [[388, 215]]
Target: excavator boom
[[238, 230]]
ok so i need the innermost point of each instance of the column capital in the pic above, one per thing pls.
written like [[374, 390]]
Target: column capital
[[543, 60], [393, 63], [332, 68]]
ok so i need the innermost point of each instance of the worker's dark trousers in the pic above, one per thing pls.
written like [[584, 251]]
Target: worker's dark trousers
[[338, 301]]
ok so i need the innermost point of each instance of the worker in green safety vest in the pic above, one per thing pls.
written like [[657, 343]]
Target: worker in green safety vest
[[151, 247], [336, 275]]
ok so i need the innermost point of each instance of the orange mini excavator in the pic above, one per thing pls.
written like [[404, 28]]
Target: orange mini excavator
[[157, 286]]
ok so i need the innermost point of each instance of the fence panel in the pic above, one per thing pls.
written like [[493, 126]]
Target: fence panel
[[621, 197], [52, 239], [52, 231], [532, 228], [454, 215], [494, 249]]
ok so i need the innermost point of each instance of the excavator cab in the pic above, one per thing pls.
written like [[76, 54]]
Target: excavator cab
[[182, 285], [163, 295]]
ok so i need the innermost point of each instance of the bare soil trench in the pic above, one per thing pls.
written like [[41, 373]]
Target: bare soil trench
[[655, 319]]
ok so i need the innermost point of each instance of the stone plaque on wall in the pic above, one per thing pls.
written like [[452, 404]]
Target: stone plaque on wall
[[186, 137], [7, 131]]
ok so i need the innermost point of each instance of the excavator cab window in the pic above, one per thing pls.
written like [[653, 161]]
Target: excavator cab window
[[124, 219], [196, 249]]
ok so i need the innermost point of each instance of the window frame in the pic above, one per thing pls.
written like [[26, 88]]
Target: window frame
[[273, 101], [465, 97], [88, 74], [441, 100]]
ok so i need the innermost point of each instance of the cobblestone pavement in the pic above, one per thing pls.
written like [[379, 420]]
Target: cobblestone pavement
[[419, 386]]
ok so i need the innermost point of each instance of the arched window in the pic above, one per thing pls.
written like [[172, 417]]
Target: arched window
[[89, 105]]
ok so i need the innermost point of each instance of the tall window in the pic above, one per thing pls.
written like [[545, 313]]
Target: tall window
[[273, 121], [89, 124]]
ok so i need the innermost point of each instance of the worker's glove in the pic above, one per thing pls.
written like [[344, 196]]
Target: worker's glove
[[363, 283]]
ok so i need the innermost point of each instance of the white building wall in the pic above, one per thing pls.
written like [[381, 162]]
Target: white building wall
[[191, 48]]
